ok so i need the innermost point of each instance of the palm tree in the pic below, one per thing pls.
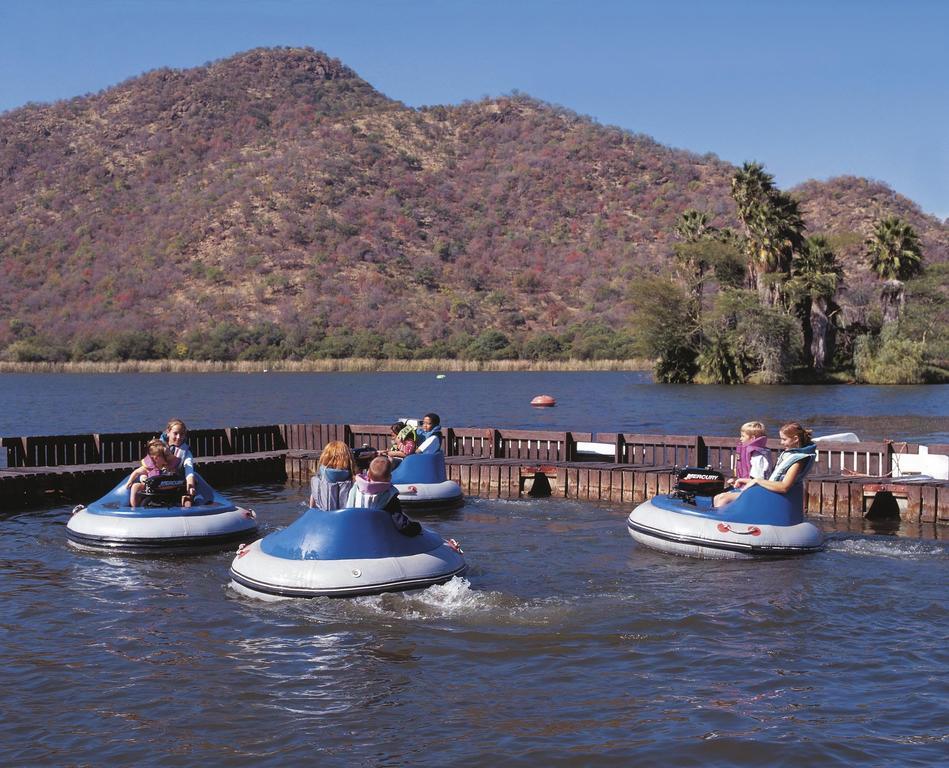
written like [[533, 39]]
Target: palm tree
[[693, 228], [693, 225], [815, 276], [774, 229], [895, 255]]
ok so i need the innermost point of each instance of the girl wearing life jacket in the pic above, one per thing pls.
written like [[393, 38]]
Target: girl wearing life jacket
[[330, 486], [157, 462], [791, 467], [176, 435], [374, 490], [403, 441]]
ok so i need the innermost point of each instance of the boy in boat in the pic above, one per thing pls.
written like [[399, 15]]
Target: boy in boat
[[430, 428], [374, 490], [752, 457]]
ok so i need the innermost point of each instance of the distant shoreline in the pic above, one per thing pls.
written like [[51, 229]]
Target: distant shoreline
[[348, 365]]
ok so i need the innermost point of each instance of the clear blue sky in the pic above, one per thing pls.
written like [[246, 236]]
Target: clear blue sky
[[812, 89]]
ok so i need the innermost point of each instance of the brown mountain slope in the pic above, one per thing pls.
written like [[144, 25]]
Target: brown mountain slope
[[277, 186]]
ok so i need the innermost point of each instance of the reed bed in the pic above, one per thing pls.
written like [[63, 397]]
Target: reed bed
[[352, 365]]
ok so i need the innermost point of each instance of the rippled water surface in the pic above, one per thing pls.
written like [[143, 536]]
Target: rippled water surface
[[566, 644]]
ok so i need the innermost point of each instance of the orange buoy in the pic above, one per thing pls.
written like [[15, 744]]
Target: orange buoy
[[543, 401]]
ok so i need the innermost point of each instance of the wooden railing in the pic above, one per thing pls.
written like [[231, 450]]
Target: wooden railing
[[872, 458], [472, 442], [123, 447], [534, 445], [313, 437]]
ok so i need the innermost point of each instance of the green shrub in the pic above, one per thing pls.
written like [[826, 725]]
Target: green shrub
[[491, 345], [889, 359], [543, 347]]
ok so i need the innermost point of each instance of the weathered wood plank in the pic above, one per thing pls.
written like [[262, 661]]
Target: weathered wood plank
[[256, 439], [927, 512]]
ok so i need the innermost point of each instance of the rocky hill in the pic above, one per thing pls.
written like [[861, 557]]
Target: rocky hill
[[276, 189]]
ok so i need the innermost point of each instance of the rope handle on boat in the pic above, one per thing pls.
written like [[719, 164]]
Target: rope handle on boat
[[77, 508], [455, 546]]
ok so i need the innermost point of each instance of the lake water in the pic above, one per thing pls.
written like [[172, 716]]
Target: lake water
[[565, 644], [39, 404]]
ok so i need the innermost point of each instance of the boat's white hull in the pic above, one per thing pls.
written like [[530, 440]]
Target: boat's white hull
[[87, 530], [424, 497], [709, 537], [261, 575]]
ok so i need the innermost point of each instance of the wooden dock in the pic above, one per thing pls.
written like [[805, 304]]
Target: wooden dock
[[851, 480]]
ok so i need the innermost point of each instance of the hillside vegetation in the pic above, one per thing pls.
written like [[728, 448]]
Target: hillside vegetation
[[275, 205]]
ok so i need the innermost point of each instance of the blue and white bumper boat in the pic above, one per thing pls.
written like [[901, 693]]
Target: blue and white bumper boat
[[423, 484], [758, 524], [110, 524], [344, 553]]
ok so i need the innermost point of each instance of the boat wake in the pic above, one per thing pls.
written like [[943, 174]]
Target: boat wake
[[455, 597], [876, 546]]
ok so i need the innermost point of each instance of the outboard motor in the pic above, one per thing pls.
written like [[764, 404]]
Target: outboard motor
[[163, 491], [698, 481], [362, 456]]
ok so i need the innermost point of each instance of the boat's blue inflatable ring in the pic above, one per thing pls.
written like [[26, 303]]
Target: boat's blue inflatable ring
[[344, 553], [754, 506], [116, 503], [424, 485], [345, 534], [420, 468]]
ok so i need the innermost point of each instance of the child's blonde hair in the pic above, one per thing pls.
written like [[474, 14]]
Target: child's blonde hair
[[182, 427], [380, 469], [157, 447], [753, 428]]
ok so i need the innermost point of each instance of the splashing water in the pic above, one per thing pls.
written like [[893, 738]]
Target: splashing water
[[902, 549]]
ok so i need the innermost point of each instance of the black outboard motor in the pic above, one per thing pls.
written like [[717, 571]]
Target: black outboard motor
[[163, 490], [362, 456], [698, 481]]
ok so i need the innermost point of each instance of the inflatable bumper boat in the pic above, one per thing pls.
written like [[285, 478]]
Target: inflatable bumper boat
[[160, 525], [758, 524], [344, 553], [423, 485]]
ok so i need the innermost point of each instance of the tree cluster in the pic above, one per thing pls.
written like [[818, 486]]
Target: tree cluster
[[775, 315]]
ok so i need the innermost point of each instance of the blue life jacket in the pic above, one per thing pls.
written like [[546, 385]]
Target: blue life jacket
[[787, 459]]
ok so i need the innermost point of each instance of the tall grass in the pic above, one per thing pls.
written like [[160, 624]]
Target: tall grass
[[355, 365]]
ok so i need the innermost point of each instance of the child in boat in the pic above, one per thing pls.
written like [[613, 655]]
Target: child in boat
[[429, 428], [157, 462], [330, 486], [792, 465], [374, 490], [176, 436], [752, 456], [403, 441]]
